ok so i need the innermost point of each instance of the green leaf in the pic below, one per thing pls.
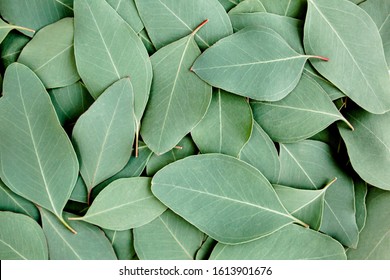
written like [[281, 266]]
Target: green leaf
[[122, 242], [35, 14], [11, 47], [236, 198], [360, 202], [290, 243], [50, 55], [186, 147], [227, 125], [228, 4], [357, 64], [374, 241], [89, 243], [205, 250], [10, 201], [5, 28], [310, 165], [80, 192], [124, 204], [369, 146], [35, 150], [247, 7], [103, 136], [120, 51], [147, 42], [261, 153], [178, 98], [128, 11], [241, 64], [168, 237], [166, 21], [306, 111], [21, 238]]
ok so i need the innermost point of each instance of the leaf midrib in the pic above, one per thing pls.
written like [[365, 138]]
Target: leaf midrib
[[13, 249]]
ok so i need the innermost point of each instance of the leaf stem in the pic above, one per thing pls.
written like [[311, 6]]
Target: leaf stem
[[75, 218], [67, 225], [23, 28], [318, 57], [330, 183], [199, 27]]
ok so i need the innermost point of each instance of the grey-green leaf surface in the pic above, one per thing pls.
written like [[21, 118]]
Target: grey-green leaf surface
[[305, 205], [205, 250], [242, 63], [361, 190], [288, 8], [122, 242], [21, 238], [228, 4], [166, 21], [128, 11], [168, 237], [242, 203], [35, 14], [227, 125], [248, 7], [80, 192], [261, 153], [306, 111], [178, 98], [290, 243], [186, 147], [89, 243], [357, 64], [6, 28], [124, 204], [103, 136], [374, 240], [368, 146], [147, 42], [10, 201], [50, 54], [310, 165], [11, 47], [119, 50], [38, 161], [70, 102]]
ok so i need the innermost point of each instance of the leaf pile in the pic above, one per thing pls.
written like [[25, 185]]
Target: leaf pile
[[195, 129]]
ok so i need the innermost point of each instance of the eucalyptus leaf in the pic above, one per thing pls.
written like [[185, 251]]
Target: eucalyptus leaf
[[147, 42], [37, 158], [168, 237], [361, 190], [122, 242], [166, 21], [124, 204], [261, 153], [103, 136], [357, 64], [5, 28], [248, 7], [290, 243], [228, 4], [80, 192], [128, 11], [205, 250], [238, 202], [178, 98], [288, 8], [11, 47], [21, 238], [89, 243], [227, 125], [241, 64]]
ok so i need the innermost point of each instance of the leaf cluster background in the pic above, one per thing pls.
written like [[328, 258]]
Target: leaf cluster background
[[194, 129]]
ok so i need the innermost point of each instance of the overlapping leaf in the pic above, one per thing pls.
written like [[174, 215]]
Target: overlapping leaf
[[122, 242], [288, 8], [11, 47], [128, 11]]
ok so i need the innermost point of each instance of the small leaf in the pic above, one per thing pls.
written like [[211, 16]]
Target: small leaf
[[80, 192], [128, 11], [122, 242], [205, 250], [11, 47]]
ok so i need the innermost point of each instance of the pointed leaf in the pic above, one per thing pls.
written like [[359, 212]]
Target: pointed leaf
[[104, 134], [227, 125], [122, 242], [21, 238], [168, 237], [166, 21], [290, 243], [236, 198], [128, 11], [357, 64], [11, 47], [178, 98], [124, 204], [37, 158]]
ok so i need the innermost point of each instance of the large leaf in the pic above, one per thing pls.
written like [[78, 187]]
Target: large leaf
[[37, 158], [357, 62], [169, 20], [35, 14], [310, 165], [122, 242], [21, 238], [306, 111], [374, 241], [168, 237], [128, 11], [290, 243], [369, 146], [89, 243], [261, 153], [124, 204], [50, 54], [107, 49], [227, 125], [242, 63], [238, 202], [104, 134], [178, 98]]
